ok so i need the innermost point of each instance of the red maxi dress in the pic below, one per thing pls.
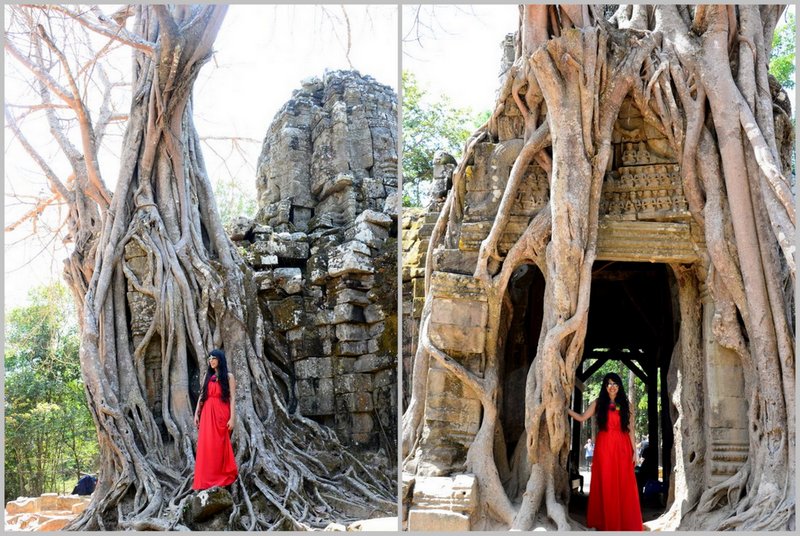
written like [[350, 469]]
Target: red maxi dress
[[613, 495], [215, 464]]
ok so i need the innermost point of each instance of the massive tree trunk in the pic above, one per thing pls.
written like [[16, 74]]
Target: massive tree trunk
[[159, 285], [699, 74]]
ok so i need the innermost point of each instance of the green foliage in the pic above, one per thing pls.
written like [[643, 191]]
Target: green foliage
[[50, 435], [233, 200], [429, 125], [482, 117], [781, 59]]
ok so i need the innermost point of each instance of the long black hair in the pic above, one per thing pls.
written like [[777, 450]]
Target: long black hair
[[621, 402], [222, 376]]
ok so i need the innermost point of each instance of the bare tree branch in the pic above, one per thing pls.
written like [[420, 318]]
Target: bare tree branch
[[108, 27], [40, 74], [55, 184], [32, 108], [229, 138], [349, 36], [88, 138], [34, 213]]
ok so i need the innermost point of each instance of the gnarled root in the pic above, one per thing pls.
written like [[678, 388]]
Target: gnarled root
[[727, 492], [504, 156], [540, 489]]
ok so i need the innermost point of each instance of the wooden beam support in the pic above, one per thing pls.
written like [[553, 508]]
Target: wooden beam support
[[635, 369], [594, 367]]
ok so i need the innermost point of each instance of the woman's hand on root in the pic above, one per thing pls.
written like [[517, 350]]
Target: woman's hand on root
[[196, 419], [230, 424]]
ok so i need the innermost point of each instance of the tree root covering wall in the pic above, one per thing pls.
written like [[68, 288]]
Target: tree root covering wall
[[323, 249], [649, 136]]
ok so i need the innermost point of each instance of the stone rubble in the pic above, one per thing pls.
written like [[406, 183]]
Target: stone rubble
[[207, 509], [48, 512]]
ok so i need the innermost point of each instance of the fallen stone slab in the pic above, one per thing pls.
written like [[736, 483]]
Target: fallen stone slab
[[22, 505], [53, 523]]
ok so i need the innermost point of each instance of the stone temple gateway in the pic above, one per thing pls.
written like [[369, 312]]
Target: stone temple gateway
[[649, 308]]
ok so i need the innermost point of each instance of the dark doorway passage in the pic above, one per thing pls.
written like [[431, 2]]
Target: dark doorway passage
[[526, 293], [632, 330]]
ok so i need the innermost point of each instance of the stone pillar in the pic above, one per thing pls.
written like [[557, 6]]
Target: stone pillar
[[726, 407], [417, 228], [577, 406], [459, 316], [653, 431], [323, 248]]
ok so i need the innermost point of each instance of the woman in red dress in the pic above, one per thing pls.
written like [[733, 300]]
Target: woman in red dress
[[613, 495], [215, 464]]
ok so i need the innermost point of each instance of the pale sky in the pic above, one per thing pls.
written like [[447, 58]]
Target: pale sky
[[261, 55], [263, 52], [458, 50]]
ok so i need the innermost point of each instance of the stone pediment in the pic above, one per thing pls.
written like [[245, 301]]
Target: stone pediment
[[648, 241], [644, 215]]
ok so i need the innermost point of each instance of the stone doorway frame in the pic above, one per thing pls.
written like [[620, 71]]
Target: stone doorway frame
[[648, 362], [463, 325], [660, 430]]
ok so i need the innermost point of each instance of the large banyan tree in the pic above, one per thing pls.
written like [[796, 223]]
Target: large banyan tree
[[699, 76], [158, 238]]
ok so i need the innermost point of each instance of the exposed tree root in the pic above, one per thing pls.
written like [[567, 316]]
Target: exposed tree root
[[725, 493], [520, 159]]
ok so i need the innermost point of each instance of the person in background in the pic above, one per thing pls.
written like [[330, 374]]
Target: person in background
[[588, 450], [85, 486]]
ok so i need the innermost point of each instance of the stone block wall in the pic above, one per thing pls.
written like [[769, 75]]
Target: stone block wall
[[441, 503], [417, 227], [323, 248], [459, 315]]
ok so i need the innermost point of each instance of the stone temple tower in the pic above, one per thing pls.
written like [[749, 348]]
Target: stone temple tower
[[324, 247]]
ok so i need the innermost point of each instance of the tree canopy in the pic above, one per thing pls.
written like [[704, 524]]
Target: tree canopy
[[429, 125], [781, 60], [50, 436]]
